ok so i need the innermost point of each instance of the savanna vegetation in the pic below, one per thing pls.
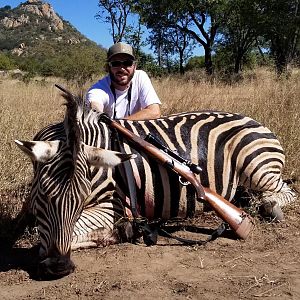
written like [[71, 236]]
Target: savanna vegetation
[[231, 33], [235, 36], [37, 49]]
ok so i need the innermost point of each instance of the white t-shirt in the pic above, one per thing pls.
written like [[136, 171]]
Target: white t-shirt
[[142, 94]]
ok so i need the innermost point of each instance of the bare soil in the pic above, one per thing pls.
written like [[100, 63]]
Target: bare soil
[[265, 266]]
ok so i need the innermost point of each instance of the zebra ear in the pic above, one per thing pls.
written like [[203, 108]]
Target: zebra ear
[[105, 158], [39, 151]]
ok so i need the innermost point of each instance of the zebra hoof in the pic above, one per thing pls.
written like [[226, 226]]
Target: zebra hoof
[[271, 210], [125, 232]]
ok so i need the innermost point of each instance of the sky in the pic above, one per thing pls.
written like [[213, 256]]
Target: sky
[[81, 14]]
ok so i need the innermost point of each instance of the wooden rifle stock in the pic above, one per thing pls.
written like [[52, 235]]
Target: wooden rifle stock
[[239, 221]]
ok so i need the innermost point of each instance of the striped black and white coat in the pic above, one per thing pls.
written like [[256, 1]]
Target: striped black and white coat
[[78, 196]]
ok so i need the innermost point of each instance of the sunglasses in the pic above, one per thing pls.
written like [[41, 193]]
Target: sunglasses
[[119, 63]]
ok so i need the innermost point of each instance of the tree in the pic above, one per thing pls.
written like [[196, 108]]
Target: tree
[[195, 62], [170, 41], [4, 11], [133, 36], [238, 33], [282, 29], [147, 63], [80, 64], [203, 19], [116, 13]]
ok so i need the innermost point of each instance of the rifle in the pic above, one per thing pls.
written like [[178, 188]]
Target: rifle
[[239, 221]]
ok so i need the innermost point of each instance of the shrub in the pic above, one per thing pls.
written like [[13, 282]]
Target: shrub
[[5, 62]]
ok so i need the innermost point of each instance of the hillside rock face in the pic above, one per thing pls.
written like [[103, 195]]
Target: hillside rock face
[[14, 22], [34, 29], [38, 8], [44, 10]]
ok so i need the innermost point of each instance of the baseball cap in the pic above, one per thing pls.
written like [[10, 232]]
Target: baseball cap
[[120, 48]]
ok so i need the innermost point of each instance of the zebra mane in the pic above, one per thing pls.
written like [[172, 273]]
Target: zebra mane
[[74, 112]]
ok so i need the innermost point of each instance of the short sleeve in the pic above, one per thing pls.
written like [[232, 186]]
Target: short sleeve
[[147, 94]]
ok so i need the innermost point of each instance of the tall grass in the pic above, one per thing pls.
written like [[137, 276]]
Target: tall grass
[[274, 103], [25, 109]]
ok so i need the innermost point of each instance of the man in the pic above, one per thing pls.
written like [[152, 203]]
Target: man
[[125, 93]]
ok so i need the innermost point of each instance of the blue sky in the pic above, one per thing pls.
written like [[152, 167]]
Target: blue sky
[[81, 14]]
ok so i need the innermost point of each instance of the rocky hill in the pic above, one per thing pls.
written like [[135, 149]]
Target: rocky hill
[[36, 40], [34, 27]]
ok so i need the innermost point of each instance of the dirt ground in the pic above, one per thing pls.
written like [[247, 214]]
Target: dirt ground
[[265, 266]]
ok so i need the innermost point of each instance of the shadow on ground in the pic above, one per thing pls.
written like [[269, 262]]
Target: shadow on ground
[[25, 259]]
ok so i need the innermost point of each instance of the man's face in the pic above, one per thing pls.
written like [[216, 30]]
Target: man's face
[[120, 70]]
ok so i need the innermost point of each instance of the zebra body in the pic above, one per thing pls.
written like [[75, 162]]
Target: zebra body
[[77, 197]]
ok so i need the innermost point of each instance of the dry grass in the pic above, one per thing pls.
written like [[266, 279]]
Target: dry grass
[[274, 103], [25, 109]]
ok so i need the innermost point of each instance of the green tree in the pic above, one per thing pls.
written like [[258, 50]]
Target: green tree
[[80, 64], [116, 13], [171, 42], [195, 62], [282, 29], [147, 63], [238, 33], [203, 20], [133, 36]]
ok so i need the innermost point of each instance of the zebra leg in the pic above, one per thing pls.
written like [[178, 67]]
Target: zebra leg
[[103, 237], [264, 175], [94, 238], [97, 226], [272, 202]]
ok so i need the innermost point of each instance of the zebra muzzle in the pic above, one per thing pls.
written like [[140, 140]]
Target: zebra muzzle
[[55, 267]]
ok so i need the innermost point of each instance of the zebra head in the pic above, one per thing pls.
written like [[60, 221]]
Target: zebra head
[[61, 184]]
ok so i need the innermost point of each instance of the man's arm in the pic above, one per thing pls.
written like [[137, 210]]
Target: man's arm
[[152, 111]]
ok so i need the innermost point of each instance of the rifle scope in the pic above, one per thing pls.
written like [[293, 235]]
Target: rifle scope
[[150, 138]]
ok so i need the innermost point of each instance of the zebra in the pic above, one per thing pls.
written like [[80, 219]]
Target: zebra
[[79, 196]]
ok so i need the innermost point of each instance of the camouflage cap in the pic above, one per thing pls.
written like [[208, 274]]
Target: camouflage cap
[[120, 48]]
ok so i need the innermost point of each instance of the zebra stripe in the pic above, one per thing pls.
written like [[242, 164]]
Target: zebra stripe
[[231, 149]]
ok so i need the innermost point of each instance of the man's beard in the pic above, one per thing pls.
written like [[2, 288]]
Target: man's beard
[[119, 82]]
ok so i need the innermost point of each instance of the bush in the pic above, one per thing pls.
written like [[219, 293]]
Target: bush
[[81, 64], [194, 63], [5, 62]]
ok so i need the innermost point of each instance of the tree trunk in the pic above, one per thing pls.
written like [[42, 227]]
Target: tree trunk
[[208, 61], [181, 68], [280, 56], [238, 62], [281, 63]]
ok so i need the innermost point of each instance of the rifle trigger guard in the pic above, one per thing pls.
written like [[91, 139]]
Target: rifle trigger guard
[[183, 182]]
